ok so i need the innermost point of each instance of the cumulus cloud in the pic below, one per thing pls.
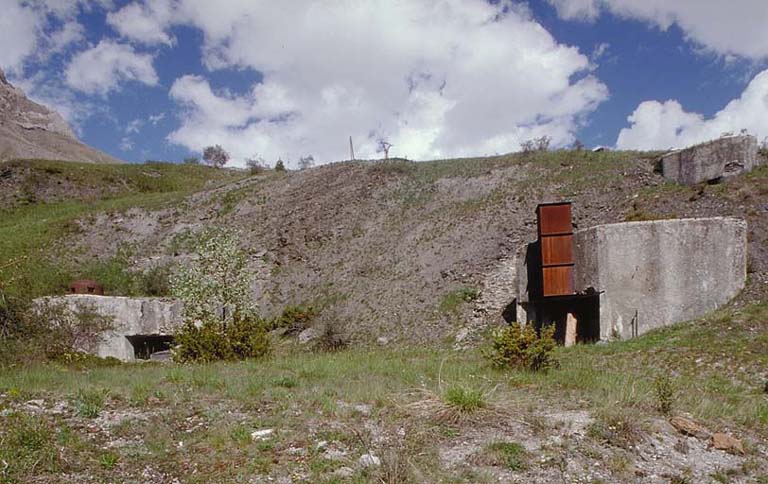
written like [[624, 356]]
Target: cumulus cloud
[[662, 125], [33, 30], [102, 68], [145, 23], [734, 27], [19, 29], [435, 78]]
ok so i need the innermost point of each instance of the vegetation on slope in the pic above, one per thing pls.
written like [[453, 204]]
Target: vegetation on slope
[[46, 205], [326, 410]]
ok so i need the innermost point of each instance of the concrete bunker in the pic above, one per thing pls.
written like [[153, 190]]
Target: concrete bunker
[[712, 161], [141, 327], [628, 278]]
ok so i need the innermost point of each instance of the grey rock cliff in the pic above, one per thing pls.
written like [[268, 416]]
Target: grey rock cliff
[[29, 130]]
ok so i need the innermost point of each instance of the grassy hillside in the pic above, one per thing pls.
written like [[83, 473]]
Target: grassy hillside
[[409, 251], [46, 205]]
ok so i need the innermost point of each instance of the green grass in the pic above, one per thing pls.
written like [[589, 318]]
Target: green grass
[[89, 402], [453, 301], [464, 399], [28, 445], [511, 455], [212, 409]]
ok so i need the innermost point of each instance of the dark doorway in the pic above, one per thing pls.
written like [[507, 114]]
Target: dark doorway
[[584, 307], [145, 345]]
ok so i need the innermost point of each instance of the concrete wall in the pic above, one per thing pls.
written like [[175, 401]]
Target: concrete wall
[[720, 158], [131, 316], [667, 271]]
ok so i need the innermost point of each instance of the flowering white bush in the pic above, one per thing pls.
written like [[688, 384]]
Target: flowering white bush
[[216, 283]]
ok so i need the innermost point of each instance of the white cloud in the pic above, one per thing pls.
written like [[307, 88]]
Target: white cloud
[[35, 29], [72, 32], [102, 68], [154, 119], [143, 22], [19, 29], [126, 144], [438, 78], [662, 125], [732, 27], [134, 126]]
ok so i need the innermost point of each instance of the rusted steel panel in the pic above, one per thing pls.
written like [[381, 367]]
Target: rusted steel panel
[[556, 240], [557, 250], [86, 287], [554, 218], [558, 280]]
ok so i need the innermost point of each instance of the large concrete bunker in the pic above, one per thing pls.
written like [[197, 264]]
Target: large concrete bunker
[[632, 277]]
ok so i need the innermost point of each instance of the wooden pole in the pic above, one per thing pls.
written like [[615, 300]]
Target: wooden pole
[[351, 149]]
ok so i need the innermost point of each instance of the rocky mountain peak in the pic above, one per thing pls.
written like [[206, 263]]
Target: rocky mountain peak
[[30, 130]]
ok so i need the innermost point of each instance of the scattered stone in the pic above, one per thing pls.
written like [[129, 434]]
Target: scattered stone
[[344, 472], [309, 335], [161, 356], [335, 454], [687, 426], [369, 460], [682, 446], [263, 434], [322, 445], [295, 450], [34, 406], [382, 340], [363, 409], [727, 443]]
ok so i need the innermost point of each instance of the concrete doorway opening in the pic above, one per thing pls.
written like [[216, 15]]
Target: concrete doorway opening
[[145, 345]]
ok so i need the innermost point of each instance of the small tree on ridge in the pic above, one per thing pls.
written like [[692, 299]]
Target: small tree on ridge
[[216, 156]]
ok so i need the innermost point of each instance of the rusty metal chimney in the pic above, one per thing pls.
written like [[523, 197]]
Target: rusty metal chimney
[[86, 286], [555, 230]]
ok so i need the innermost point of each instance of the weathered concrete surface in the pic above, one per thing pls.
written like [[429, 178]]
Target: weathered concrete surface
[[665, 271], [720, 158], [131, 316]]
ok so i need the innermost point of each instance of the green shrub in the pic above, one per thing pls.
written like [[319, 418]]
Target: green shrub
[[332, 337], [89, 403], [32, 332], [508, 454], [118, 277], [520, 347], [294, 319], [664, 390], [109, 460], [243, 337], [221, 319], [451, 302], [463, 399]]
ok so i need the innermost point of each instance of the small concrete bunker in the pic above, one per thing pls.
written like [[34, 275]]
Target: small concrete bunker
[[712, 161], [628, 278], [141, 326]]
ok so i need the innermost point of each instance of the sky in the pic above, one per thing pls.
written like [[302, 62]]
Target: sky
[[162, 79]]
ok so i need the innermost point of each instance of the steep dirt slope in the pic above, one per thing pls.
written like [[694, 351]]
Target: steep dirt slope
[[31, 131], [419, 252]]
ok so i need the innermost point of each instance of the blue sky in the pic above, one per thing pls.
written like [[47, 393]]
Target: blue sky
[[160, 79]]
